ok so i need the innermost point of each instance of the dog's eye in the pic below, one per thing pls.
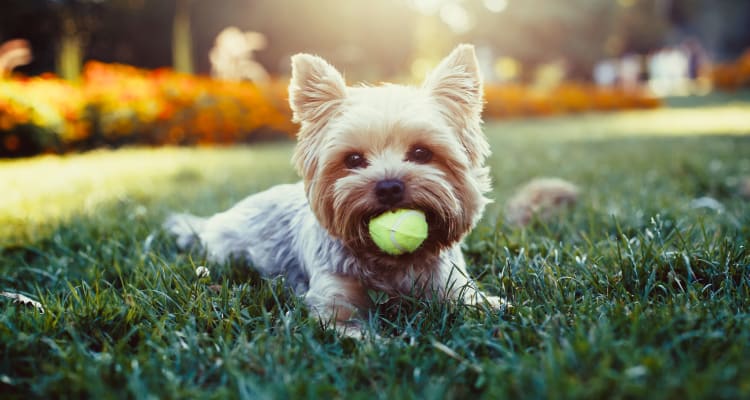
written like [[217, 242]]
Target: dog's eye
[[420, 155], [355, 160]]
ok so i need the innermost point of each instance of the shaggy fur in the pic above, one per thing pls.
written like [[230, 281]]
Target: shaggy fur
[[315, 232]]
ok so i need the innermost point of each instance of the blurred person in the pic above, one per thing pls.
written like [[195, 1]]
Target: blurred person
[[605, 73], [630, 72], [668, 71], [656, 73], [677, 72], [232, 56], [698, 66]]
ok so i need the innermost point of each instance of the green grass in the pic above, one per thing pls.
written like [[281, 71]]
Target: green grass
[[631, 294]]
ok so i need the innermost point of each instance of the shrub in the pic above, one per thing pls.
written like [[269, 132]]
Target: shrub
[[119, 104], [515, 100], [734, 75]]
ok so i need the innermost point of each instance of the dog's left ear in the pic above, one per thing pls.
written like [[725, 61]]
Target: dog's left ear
[[456, 84], [316, 88]]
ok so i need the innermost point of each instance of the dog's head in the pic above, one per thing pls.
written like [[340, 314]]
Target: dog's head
[[365, 150]]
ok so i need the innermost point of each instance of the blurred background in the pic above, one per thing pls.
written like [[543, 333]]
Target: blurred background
[[78, 74]]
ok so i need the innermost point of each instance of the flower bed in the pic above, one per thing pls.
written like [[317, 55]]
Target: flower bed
[[733, 75], [117, 104], [38, 113], [505, 101]]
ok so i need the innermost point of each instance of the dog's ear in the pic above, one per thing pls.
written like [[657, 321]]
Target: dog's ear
[[456, 84], [316, 88]]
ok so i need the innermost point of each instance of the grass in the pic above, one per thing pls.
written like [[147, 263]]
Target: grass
[[633, 293]]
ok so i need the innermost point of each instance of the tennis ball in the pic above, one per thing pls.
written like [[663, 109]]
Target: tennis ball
[[398, 232]]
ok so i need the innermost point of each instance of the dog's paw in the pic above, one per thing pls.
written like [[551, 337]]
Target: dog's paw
[[354, 330], [496, 303], [351, 331]]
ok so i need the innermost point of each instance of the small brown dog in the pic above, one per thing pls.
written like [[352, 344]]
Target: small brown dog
[[362, 151]]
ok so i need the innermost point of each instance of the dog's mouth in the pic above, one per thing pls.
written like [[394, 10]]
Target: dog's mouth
[[435, 231], [430, 215], [445, 226]]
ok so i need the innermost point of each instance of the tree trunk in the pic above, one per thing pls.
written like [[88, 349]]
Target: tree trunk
[[70, 53], [182, 43]]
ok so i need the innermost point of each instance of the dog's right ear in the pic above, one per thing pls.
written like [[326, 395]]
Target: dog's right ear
[[316, 88]]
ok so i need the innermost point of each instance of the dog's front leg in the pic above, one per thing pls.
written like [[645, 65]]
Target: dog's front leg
[[339, 299]]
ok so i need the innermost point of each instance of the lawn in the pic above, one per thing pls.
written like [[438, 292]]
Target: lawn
[[638, 291]]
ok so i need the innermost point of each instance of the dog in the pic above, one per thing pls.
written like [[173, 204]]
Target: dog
[[362, 151]]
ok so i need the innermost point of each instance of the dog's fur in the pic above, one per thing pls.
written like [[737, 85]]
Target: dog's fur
[[315, 232]]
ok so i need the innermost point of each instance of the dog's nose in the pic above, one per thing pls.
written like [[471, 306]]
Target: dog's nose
[[389, 191]]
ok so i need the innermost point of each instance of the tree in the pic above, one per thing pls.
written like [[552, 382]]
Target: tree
[[77, 19], [182, 42]]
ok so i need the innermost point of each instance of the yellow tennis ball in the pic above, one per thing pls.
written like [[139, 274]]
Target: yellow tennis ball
[[398, 232]]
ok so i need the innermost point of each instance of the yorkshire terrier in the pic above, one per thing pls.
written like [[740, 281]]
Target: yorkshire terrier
[[362, 151]]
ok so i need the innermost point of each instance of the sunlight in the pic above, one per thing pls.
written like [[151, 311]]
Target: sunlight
[[46, 189], [427, 7], [496, 6], [667, 122], [455, 16]]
